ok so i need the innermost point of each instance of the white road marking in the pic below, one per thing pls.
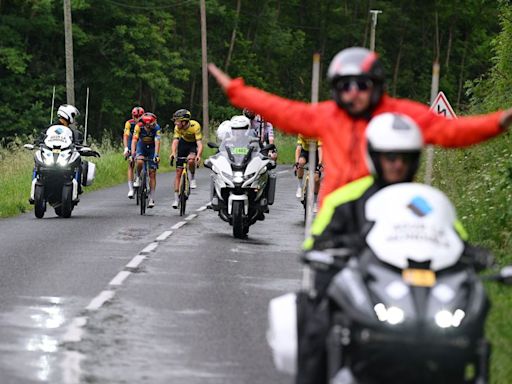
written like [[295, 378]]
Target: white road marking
[[119, 278], [75, 330], [99, 300], [134, 263], [150, 248], [201, 209], [164, 236], [71, 371], [179, 225], [281, 172], [190, 217]]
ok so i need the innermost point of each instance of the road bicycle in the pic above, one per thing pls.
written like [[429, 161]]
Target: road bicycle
[[305, 187], [142, 191], [184, 187]]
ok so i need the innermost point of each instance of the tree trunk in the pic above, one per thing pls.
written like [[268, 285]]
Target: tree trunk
[[397, 64], [461, 72], [449, 47], [233, 35], [192, 92]]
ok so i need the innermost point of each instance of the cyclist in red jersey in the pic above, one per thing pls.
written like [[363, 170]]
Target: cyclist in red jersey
[[357, 82]]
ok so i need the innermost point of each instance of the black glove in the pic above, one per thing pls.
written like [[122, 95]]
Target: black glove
[[171, 161]]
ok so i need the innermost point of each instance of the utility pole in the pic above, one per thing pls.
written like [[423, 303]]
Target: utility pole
[[68, 41], [206, 129], [374, 13], [434, 90]]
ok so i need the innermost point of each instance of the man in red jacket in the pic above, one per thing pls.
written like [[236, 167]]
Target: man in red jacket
[[357, 81]]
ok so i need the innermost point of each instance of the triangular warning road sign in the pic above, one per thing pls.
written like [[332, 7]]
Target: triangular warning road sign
[[441, 106]]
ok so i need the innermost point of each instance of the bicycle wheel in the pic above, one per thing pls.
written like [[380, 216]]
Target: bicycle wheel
[[137, 195], [143, 193], [305, 192], [183, 192]]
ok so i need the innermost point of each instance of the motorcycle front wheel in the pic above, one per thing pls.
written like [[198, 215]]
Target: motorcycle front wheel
[[39, 201], [67, 201], [237, 215]]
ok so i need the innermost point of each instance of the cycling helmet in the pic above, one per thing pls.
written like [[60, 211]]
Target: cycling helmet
[[148, 119], [249, 114], [393, 133], [137, 112], [360, 63], [181, 114], [68, 112], [240, 122]]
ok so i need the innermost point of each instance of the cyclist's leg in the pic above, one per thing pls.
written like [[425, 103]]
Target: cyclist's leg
[[179, 169], [191, 160], [130, 173], [139, 155], [152, 176]]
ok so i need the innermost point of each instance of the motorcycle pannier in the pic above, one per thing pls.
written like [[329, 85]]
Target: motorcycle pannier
[[88, 174], [272, 178]]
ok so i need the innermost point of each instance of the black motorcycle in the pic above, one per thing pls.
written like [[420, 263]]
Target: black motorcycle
[[408, 306]]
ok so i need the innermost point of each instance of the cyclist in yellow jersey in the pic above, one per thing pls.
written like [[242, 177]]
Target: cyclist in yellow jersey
[[186, 143], [301, 158]]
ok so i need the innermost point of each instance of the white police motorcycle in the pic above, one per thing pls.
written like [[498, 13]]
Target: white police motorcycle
[[243, 187], [58, 172], [409, 308]]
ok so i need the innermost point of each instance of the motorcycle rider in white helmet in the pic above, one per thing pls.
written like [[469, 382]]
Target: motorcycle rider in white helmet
[[394, 144], [66, 115]]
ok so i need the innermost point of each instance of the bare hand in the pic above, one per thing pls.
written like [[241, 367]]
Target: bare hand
[[198, 161], [222, 78], [506, 119]]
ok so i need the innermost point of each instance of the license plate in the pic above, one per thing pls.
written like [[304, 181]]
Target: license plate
[[240, 151], [419, 277], [56, 150]]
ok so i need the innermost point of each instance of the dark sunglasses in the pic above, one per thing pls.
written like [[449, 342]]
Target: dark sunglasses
[[348, 84], [394, 156]]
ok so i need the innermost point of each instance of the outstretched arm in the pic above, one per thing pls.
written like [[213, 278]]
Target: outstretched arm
[[287, 115]]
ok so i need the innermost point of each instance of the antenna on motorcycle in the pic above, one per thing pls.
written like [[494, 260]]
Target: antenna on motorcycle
[[53, 105], [86, 116]]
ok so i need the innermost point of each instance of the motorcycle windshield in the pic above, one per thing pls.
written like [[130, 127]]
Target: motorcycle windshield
[[239, 149]]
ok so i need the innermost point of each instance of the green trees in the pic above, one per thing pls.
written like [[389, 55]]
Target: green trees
[[148, 52]]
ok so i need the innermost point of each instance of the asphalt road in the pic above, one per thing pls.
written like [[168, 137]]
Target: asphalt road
[[109, 296]]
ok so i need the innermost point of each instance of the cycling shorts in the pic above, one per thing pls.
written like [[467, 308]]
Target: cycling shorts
[[185, 148], [305, 154], [147, 150]]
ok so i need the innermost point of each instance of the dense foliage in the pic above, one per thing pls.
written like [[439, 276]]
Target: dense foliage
[[148, 52]]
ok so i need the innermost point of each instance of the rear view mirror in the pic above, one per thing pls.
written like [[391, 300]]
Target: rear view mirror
[[506, 275], [212, 145], [28, 146]]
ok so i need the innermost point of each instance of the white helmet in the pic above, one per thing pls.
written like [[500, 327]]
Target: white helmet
[[240, 122], [224, 130], [68, 112], [393, 132]]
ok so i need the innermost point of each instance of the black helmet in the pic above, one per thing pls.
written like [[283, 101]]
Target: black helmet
[[249, 114], [360, 63], [181, 114]]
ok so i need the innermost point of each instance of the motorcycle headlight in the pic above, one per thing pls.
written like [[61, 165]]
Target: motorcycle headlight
[[392, 315], [447, 319], [227, 176], [62, 160], [48, 158]]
